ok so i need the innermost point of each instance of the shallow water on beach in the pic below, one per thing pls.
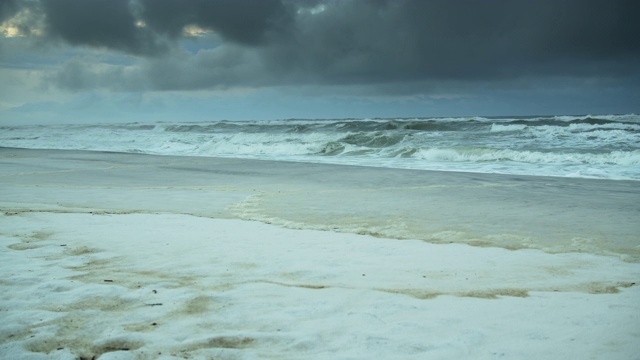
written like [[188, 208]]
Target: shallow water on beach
[[516, 212], [122, 256]]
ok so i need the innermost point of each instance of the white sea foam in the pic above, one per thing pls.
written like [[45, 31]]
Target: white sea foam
[[534, 157], [132, 257], [592, 146], [499, 127]]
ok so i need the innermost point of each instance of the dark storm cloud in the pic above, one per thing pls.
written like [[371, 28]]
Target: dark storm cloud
[[143, 27], [245, 22], [380, 41], [99, 23], [8, 8], [332, 42]]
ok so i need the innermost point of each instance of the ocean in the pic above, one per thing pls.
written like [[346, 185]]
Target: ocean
[[603, 146]]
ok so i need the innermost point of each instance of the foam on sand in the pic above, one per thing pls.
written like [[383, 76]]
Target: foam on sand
[[127, 258]]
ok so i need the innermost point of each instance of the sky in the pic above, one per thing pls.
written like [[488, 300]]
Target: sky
[[94, 61]]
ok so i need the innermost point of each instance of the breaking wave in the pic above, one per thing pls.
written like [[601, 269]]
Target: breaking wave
[[585, 146]]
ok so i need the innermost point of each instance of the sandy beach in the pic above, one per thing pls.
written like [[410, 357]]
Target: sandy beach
[[127, 256]]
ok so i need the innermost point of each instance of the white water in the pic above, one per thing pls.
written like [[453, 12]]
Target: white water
[[570, 146]]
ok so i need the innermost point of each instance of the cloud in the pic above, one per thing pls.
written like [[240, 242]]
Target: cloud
[[81, 73], [99, 23], [243, 22], [225, 68], [396, 46], [146, 27], [8, 8], [403, 40], [20, 18]]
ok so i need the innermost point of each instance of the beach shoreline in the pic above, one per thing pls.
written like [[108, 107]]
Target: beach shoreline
[[126, 256], [553, 214]]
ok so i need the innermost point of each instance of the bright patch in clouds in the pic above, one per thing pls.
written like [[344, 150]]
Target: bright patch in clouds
[[195, 31], [26, 22]]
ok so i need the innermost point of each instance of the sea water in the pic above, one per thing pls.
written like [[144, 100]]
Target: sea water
[[604, 146]]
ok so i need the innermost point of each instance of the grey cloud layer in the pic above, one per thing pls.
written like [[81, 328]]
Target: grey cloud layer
[[8, 8], [283, 42], [99, 23], [246, 22], [403, 40]]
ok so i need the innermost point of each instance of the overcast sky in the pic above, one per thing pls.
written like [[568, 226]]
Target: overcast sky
[[71, 61]]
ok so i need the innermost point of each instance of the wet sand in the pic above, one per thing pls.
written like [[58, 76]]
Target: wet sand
[[514, 212], [143, 257]]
